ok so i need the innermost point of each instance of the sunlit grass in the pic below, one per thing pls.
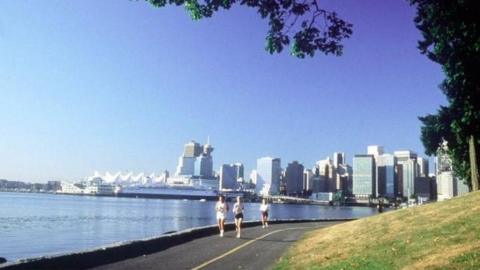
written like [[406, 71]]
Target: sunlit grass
[[444, 235]]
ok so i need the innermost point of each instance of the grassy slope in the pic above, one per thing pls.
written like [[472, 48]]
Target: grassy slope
[[443, 235]]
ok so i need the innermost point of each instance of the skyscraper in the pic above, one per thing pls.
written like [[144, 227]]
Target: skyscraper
[[364, 177], [192, 149], [338, 158], [294, 178], [327, 176], [375, 150], [196, 161], [423, 169], [228, 179], [268, 176], [385, 175], [307, 180], [239, 170], [408, 160]]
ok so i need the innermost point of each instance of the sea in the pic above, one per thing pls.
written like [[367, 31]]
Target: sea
[[37, 224]]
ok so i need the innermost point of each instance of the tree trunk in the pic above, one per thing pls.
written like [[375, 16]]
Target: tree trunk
[[473, 163]]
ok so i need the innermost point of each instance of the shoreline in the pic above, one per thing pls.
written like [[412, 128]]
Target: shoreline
[[120, 251]]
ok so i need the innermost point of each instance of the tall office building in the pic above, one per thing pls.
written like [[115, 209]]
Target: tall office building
[[228, 179], [268, 176], [186, 166], [327, 176], [423, 169], [239, 170], [344, 177], [364, 177], [253, 177], [408, 161], [338, 158], [192, 149], [405, 155], [294, 178], [196, 161], [375, 150], [307, 180], [385, 175], [230, 174]]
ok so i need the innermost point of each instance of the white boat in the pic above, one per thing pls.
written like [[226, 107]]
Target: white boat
[[172, 192]]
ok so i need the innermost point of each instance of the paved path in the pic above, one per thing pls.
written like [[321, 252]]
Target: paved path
[[257, 249]]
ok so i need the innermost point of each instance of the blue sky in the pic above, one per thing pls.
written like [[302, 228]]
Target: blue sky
[[121, 85]]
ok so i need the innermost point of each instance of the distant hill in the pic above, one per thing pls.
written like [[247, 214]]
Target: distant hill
[[441, 235]]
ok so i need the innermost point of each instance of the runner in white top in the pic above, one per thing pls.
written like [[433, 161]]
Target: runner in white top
[[221, 207], [238, 212], [264, 213]]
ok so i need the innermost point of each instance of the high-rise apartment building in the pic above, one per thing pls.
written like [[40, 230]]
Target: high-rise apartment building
[[268, 176], [364, 177]]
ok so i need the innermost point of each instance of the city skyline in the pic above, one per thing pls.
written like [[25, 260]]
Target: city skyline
[[113, 86]]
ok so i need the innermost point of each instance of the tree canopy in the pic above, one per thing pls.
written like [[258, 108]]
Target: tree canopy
[[303, 25], [451, 37]]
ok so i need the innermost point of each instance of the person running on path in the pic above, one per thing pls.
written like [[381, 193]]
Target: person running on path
[[238, 212], [221, 208], [264, 213]]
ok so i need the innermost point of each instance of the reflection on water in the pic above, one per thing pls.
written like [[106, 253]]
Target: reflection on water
[[33, 225]]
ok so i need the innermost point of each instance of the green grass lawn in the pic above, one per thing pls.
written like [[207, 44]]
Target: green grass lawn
[[442, 235]]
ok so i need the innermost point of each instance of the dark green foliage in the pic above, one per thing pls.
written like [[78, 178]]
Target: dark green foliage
[[303, 25], [451, 37]]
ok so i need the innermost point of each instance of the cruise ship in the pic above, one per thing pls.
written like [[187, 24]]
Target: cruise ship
[[194, 178], [169, 192]]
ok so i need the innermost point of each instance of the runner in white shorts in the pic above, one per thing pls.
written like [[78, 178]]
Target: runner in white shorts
[[221, 208]]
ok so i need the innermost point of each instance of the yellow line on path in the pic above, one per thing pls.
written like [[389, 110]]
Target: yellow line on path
[[246, 244]]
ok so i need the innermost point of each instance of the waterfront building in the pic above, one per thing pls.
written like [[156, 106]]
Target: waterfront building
[[239, 170], [344, 178], [294, 178], [228, 179], [192, 149], [385, 165], [408, 161], [253, 177], [338, 159], [268, 176], [196, 161], [423, 169], [375, 150], [307, 180], [423, 187], [186, 166], [327, 176], [364, 176]]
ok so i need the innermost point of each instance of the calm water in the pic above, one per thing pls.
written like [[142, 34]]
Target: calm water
[[33, 225]]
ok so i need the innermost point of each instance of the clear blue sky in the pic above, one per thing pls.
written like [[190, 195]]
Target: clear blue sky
[[121, 85]]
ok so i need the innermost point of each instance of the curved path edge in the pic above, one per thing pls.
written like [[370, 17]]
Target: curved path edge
[[131, 249]]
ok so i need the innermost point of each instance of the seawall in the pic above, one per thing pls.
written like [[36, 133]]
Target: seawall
[[125, 250]]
